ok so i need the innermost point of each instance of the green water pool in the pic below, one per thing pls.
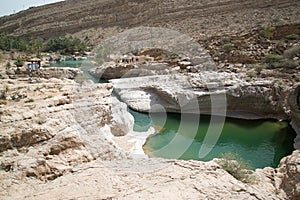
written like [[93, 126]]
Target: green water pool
[[84, 65], [69, 63], [260, 143]]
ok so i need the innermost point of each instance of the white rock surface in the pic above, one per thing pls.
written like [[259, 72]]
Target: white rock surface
[[59, 145], [206, 93]]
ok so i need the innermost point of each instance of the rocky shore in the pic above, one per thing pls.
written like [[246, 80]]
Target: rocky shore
[[234, 94], [183, 85], [64, 137], [64, 140]]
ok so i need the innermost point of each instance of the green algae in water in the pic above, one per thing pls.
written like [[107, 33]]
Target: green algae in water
[[261, 143]]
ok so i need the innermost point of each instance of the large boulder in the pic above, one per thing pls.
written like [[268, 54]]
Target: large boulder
[[289, 175]]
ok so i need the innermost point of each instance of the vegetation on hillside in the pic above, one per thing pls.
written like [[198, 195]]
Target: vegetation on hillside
[[9, 42], [64, 45], [285, 60]]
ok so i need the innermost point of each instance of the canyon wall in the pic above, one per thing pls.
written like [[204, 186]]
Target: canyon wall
[[94, 20]]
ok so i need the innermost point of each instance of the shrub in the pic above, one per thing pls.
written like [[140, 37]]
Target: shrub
[[251, 74], [48, 97], [225, 40], [288, 63], [280, 46], [267, 31], [297, 79], [173, 56], [8, 65], [19, 63], [2, 96], [227, 47], [259, 68], [236, 166], [278, 61], [273, 58], [6, 88], [4, 92], [29, 100], [292, 37], [135, 52], [292, 52]]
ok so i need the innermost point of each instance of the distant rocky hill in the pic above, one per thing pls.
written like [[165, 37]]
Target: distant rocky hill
[[93, 20]]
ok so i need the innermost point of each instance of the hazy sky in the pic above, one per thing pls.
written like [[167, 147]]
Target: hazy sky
[[8, 7]]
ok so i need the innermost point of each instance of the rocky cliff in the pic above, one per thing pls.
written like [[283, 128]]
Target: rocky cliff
[[63, 140], [43, 133], [234, 96], [93, 20], [294, 102]]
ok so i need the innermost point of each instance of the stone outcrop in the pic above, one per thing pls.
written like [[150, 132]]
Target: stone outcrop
[[222, 93], [121, 120], [294, 102], [58, 141], [289, 175], [56, 124], [143, 178], [65, 140], [47, 73], [113, 71]]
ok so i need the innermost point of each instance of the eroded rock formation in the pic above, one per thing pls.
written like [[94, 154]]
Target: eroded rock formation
[[294, 103], [289, 175], [61, 144], [233, 96], [95, 20]]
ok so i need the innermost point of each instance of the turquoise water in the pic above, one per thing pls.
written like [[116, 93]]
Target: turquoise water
[[260, 143], [69, 63], [84, 65]]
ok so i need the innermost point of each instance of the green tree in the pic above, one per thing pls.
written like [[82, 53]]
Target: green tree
[[65, 45], [9, 42], [36, 46], [19, 62]]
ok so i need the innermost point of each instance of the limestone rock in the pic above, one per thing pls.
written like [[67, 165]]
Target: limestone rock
[[61, 144], [62, 126], [121, 120], [294, 104], [289, 175], [205, 92], [143, 178], [111, 70], [97, 20]]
